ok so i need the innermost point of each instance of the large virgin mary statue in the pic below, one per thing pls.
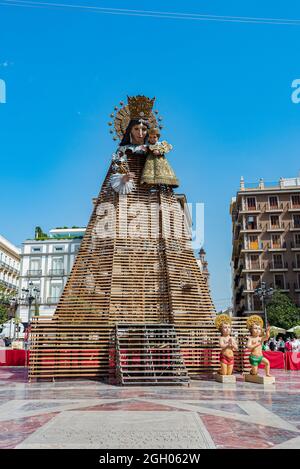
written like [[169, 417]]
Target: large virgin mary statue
[[136, 126]]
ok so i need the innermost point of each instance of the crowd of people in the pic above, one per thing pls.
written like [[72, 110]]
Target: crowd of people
[[280, 344]]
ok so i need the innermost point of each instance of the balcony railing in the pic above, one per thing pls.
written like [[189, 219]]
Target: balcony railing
[[276, 245], [6, 266], [34, 273], [279, 265], [296, 224], [294, 206], [257, 266], [52, 300], [295, 245], [280, 286], [7, 284], [275, 226], [253, 227], [56, 272], [254, 246]]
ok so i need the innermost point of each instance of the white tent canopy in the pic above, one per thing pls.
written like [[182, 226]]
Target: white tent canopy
[[277, 330], [292, 329]]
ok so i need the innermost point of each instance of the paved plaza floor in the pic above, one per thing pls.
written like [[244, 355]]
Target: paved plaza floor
[[91, 414]]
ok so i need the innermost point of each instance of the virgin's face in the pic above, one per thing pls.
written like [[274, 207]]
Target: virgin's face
[[138, 134]]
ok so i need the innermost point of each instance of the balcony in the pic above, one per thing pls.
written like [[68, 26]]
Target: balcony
[[52, 300], [256, 267], [252, 228], [281, 207], [295, 226], [253, 247], [283, 288], [10, 268], [34, 273], [56, 272], [297, 287], [251, 287], [279, 266], [8, 285], [281, 226], [295, 246], [273, 247], [296, 266], [293, 207], [246, 209]]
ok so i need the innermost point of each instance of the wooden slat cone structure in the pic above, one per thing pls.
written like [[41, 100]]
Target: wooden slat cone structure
[[135, 265]]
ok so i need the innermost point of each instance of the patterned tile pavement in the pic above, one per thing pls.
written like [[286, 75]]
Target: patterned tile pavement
[[91, 414]]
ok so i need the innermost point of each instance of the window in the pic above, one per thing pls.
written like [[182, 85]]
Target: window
[[279, 281], [297, 261], [297, 240], [296, 201], [35, 265], [296, 219], [277, 261], [276, 241], [251, 223], [55, 291], [254, 261], [57, 268], [273, 201], [256, 303], [253, 241], [36, 249], [59, 248], [298, 278], [274, 221], [57, 263], [251, 203], [255, 281]]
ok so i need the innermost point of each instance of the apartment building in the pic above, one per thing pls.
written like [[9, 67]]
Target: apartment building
[[265, 241], [9, 266], [45, 266]]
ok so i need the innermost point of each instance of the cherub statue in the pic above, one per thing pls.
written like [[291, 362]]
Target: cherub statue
[[227, 343], [254, 344], [157, 169]]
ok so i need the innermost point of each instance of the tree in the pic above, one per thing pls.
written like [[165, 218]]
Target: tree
[[39, 234], [3, 314], [7, 308], [4, 305], [282, 311]]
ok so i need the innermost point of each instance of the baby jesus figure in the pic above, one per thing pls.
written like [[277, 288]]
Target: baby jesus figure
[[227, 344], [254, 344], [157, 170]]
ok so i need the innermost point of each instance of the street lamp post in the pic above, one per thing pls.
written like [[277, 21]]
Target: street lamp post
[[263, 294], [13, 305], [30, 294]]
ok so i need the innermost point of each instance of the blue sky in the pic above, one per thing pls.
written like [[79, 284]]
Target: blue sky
[[224, 90]]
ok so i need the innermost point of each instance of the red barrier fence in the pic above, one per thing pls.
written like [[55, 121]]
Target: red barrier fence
[[11, 357], [278, 360]]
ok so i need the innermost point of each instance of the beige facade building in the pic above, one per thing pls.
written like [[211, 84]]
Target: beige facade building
[[266, 241], [45, 265], [9, 266]]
